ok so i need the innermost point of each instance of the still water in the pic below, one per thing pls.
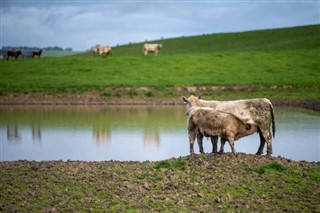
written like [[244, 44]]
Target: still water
[[134, 133]]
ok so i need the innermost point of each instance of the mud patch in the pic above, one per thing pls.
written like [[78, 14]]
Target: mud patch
[[130, 96]]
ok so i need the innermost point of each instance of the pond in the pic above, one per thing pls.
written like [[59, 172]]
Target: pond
[[135, 133]]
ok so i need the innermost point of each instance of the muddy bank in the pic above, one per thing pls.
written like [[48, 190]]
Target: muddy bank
[[98, 98], [201, 183]]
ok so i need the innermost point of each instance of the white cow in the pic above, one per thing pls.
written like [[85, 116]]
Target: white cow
[[104, 50], [152, 48], [256, 111], [95, 50]]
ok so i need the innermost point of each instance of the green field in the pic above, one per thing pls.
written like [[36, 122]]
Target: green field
[[275, 63]]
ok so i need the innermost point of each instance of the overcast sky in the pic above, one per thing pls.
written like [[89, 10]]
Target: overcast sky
[[81, 24]]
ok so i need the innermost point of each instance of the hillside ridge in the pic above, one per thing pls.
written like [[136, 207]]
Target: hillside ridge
[[301, 37]]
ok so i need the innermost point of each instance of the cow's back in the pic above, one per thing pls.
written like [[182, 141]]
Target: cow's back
[[249, 110]]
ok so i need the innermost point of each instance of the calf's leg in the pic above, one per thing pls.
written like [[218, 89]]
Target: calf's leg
[[222, 142], [192, 137], [214, 141], [200, 144]]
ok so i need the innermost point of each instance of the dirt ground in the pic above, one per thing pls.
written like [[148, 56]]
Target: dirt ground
[[98, 98], [200, 183]]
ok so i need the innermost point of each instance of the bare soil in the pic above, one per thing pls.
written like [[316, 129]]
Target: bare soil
[[200, 183], [124, 97]]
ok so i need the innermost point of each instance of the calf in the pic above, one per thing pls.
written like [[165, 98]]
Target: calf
[[205, 121]]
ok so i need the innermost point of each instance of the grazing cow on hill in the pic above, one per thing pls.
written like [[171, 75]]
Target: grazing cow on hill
[[205, 121], [256, 111], [152, 48], [95, 51], [104, 50], [13, 53]]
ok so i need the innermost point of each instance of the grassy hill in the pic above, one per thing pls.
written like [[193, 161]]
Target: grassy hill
[[305, 37], [279, 63]]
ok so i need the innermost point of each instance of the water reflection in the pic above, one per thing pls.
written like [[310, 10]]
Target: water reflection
[[133, 133], [13, 133]]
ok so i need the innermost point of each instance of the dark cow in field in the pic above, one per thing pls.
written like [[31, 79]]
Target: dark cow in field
[[205, 121], [13, 53], [152, 48], [36, 53], [259, 112]]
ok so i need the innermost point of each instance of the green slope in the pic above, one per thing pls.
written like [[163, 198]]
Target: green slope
[[305, 37]]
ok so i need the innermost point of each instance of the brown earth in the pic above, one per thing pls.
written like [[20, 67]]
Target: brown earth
[[99, 98], [200, 183]]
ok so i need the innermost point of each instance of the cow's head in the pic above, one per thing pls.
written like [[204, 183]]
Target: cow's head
[[159, 46], [191, 101]]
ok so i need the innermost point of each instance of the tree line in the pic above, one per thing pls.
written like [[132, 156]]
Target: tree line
[[55, 48]]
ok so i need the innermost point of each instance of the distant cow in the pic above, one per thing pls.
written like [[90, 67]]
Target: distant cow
[[95, 51], [104, 50], [205, 121], [152, 48], [256, 111], [36, 53], [13, 53]]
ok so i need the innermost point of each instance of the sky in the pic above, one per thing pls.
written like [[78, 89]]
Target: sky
[[82, 24]]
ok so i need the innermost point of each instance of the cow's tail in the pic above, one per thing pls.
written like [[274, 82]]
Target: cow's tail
[[272, 119]]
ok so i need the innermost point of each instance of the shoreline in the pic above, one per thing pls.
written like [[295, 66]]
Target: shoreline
[[93, 98]]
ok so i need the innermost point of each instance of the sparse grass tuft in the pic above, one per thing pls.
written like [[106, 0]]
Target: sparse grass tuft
[[273, 167], [171, 165]]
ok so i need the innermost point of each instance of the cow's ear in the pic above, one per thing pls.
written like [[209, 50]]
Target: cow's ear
[[199, 97], [184, 99]]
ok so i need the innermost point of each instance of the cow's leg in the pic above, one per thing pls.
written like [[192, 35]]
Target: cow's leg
[[145, 52], [222, 142], [192, 137], [199, 139], [231, 143], [214, 141], [262, 142], [267, 137]]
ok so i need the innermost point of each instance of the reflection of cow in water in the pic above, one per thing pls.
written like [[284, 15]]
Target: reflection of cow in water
[[13, 53], [36, 53]]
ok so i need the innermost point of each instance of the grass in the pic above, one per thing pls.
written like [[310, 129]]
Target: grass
[[269, 168], [171, 165], [281, 58], [294, 38]]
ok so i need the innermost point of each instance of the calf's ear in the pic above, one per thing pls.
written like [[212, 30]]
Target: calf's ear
[[184, 99], [248, 126]]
